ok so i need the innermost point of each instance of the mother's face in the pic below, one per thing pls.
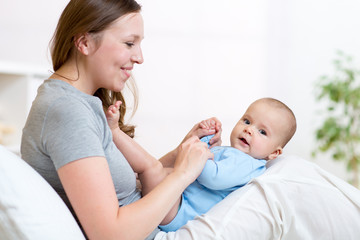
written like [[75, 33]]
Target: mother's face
[[111, 63]]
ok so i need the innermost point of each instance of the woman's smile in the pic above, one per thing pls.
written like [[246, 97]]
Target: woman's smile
[[127, 72]]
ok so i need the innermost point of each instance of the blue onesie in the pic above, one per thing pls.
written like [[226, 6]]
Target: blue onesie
[[230, 170]]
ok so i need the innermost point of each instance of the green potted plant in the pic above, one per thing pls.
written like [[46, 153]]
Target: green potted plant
[[339, 133]]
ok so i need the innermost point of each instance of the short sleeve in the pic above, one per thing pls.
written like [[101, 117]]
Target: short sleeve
[[71, 131]]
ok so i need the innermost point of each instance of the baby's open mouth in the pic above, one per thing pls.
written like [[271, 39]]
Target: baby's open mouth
[[244, 141]]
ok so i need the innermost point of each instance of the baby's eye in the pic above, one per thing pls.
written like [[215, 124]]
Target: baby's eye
[[263, 132], [246, 121]]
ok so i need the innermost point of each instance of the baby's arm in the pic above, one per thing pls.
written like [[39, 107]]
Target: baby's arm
[[229, 169], [150, 171], [113, 115], [139, 159]]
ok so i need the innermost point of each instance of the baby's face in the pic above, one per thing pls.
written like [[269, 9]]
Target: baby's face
[[260, 131]]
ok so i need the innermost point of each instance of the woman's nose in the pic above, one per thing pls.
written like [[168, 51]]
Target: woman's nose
[[138, 57]]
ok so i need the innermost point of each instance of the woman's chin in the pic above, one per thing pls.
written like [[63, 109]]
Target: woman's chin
[[118, 87]]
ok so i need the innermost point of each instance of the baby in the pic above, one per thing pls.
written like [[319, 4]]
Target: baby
[[259, 136]]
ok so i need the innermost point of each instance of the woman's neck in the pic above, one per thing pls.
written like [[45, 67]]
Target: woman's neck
[[75, 76]]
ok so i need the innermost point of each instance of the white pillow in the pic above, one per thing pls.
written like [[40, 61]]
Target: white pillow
[[29, 207]]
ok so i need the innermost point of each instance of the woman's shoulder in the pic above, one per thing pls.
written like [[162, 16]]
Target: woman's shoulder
[[59, 96], [57, 102]]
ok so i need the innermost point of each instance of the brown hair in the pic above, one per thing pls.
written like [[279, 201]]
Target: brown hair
[[92, 16]]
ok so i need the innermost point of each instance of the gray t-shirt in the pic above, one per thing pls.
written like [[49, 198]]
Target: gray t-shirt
[[64, 125]]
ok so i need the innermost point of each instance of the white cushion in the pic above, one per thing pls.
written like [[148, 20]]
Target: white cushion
[[293, 199], [29, 207]]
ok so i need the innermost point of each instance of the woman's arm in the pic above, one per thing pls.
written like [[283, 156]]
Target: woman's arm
[[89, 187]]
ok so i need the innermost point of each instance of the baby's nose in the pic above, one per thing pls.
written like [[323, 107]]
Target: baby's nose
[[248, 130]]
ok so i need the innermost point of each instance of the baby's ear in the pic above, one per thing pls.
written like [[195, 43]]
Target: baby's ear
[[275, 153]]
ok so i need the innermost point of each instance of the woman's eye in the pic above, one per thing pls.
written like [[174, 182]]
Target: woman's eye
[[263, 132], [129, 44], [246, 121]]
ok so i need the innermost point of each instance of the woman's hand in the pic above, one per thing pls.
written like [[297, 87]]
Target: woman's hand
[[201, 129], [191, 158]]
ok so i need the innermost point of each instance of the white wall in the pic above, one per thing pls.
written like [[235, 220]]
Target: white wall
[[26, 28], [314, 31], [212, 58]]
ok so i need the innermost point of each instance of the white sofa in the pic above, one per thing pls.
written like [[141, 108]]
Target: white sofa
[[29, 207], [294, 199]]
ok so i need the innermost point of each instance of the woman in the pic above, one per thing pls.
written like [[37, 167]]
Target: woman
[[67, 139]]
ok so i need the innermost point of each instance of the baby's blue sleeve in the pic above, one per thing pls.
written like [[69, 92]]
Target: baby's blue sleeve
[[206, 139], [230, 168]]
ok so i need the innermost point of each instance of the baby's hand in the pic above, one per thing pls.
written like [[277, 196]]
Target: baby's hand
[[208, 124], [213, 126], [113, 115]]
